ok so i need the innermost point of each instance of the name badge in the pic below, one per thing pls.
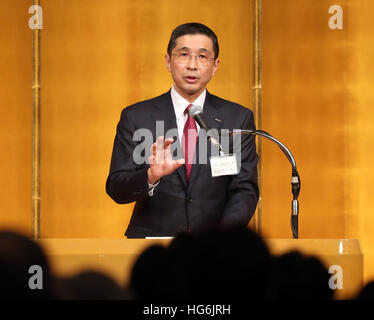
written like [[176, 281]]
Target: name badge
[[224, 165]]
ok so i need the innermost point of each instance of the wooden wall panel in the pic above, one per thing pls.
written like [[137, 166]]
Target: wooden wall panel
[[304, 106], [15, 116], [359, 130], [317, 98]]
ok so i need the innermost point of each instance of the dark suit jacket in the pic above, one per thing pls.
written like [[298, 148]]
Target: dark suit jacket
[[204, 201]]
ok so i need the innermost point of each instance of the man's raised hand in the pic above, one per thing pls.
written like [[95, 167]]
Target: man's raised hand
[[161, 162]]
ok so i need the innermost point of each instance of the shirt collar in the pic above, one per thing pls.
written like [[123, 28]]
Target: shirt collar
[[180, 104]]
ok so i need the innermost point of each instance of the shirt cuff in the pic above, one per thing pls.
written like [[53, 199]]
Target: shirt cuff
[[151, 188]]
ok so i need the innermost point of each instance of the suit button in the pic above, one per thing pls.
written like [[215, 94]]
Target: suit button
[[189, 199]]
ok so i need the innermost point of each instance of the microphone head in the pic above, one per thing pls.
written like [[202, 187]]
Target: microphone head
[[195, 110]]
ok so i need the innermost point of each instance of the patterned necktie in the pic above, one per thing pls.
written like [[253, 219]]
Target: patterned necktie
[[189, 142]]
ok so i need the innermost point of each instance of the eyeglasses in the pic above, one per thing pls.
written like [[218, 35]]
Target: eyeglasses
[[183, 58]]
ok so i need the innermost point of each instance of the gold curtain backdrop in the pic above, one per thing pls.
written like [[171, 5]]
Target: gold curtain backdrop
[[304, 105], [98, 57], [15, 116]]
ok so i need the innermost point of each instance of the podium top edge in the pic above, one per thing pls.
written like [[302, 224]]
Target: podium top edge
[[325, 246], [111, 246]]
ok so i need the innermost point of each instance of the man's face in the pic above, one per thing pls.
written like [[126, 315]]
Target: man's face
[[191, 77]]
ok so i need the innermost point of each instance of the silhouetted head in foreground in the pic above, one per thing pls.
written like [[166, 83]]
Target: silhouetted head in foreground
[[221, 263], [89, 285], [297, 276], [24, 268], [367, 292]]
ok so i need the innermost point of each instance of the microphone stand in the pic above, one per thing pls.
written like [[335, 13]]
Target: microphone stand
[[295, 180]]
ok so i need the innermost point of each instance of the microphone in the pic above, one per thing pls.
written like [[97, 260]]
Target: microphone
[[196, 112]]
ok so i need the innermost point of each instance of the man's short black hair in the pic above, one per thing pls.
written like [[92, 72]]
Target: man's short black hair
[[193, 28]]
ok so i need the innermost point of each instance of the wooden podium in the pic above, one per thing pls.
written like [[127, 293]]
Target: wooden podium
[[115, 257], [342, 257]]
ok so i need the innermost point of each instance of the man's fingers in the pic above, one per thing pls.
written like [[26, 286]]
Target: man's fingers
[[168, 142], [153, 148], [160, 143], [159, 150], [151, 160]]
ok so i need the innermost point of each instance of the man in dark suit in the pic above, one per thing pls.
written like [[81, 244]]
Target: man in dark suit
[[172, 195]]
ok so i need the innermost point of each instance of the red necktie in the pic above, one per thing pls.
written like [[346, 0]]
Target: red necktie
[[189, 142]]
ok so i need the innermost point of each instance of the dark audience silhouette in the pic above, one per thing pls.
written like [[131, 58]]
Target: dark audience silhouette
[[231, 264], [88, 285], [367, 292], [228, 263], [296, 276], [17, 254]]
